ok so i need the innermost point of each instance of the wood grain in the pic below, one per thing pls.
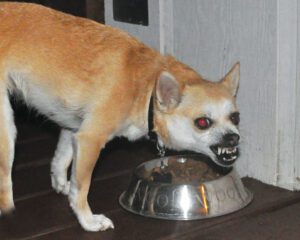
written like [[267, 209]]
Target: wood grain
[[133, 227], [265, 226]]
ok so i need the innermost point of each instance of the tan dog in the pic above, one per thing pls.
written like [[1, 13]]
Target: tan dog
[[96, 82]]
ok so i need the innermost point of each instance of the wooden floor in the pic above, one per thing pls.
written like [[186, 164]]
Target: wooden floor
[[43, 214]]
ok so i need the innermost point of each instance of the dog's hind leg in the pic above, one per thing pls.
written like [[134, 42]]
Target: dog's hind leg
[[7, 142], [61, 162]]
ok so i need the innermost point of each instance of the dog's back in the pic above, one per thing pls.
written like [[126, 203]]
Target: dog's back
[[80, 50], [78, 61]]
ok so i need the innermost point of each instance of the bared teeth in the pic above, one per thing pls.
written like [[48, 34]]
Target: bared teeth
[[219, 150], [229, 159], [231, 150]]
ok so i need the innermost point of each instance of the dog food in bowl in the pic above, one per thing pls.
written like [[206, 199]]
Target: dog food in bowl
[[182, 170]]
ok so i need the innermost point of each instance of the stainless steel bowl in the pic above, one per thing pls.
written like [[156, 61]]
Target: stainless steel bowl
[[184, 188]]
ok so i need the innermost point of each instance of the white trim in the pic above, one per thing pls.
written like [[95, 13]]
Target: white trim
[[286, 93], [297, 129]]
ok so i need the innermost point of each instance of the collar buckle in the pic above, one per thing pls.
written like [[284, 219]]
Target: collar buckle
[[161, 149]]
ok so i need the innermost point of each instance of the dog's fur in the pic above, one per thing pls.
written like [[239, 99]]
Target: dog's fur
[[96, 83]]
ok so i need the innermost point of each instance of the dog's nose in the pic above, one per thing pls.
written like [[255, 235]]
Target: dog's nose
[[232, 139]]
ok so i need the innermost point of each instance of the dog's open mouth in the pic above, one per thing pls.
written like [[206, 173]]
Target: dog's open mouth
[[226, 155]]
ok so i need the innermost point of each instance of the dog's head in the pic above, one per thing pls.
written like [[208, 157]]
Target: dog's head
[[197, 115]]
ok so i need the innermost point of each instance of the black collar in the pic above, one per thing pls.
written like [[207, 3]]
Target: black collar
[[151, 133]]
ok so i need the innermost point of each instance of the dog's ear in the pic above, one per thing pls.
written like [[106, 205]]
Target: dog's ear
[[232, 79], [168, 93]]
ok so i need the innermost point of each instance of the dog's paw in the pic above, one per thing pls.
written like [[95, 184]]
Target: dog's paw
[[96, 223], [60, 184], [7, 205], [7, 210]]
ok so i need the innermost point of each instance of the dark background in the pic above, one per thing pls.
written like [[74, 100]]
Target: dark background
[[93, 9]]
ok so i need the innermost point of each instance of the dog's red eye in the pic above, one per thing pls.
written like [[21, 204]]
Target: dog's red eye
[[203, 123], [235, 118]]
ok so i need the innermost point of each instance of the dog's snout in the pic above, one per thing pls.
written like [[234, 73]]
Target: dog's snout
[[232, 139]]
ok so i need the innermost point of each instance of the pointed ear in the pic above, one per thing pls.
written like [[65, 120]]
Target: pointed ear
[[232, 79], [167, 91]]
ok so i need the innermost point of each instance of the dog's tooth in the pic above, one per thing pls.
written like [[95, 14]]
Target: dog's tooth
[[223, 150], [229, 159], [219, 150]]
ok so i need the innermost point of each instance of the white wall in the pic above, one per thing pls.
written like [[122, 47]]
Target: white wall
[[220, 33], [210, 36]]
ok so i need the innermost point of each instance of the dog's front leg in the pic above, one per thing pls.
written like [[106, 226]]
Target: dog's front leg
[[87, 144]]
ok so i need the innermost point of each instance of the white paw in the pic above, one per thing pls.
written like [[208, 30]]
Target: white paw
[[8, 210], [60, 184], [96, 223]]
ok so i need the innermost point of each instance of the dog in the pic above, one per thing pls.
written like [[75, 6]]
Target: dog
[[96, 82]]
